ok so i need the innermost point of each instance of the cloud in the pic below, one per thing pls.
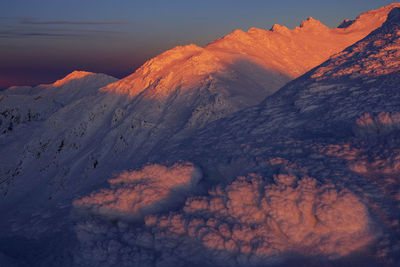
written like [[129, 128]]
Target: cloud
[[71, 22], [37, 28], [39, 32], [22, 34]]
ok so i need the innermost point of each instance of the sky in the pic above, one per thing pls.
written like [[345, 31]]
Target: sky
[[44, 40]]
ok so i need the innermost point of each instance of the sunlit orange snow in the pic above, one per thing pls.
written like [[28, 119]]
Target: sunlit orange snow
[[134, 194], [277, 56], [72, 76], [253, 218]]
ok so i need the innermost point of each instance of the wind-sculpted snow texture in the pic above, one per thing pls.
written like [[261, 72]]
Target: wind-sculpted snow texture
[[249, 222], [308, 176]]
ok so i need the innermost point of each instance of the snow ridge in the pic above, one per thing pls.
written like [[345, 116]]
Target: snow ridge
[[305, 47]]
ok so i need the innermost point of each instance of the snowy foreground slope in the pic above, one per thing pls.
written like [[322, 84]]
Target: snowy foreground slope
[[318, 158]]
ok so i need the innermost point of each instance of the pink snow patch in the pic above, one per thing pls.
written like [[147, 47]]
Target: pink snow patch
[[261, 221], [384, 122], [384, 118], [135, 194]]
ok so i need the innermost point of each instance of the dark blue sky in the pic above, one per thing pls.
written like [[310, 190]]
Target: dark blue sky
[[43, 40]]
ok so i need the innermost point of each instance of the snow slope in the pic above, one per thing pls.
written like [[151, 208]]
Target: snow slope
[[20, 104], [24, 110]]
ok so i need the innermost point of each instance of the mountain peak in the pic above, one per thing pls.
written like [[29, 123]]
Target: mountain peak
[[279, 28], [379, 52], [76, 74], [159, 70], [346, 23], [373, 18], [311, 23]]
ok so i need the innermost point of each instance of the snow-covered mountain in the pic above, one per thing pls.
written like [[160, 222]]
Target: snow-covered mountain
[[22, 104], [312, 170], [73, 135], [309, 176], [26, 110], [294, 52], [113, 128]]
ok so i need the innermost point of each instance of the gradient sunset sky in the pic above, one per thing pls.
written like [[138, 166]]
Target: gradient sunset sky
[[43, 40]]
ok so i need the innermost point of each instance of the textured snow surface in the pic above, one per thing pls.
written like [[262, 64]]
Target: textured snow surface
[[249, 222], [256, 219], [140, 173], [137, 193]]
